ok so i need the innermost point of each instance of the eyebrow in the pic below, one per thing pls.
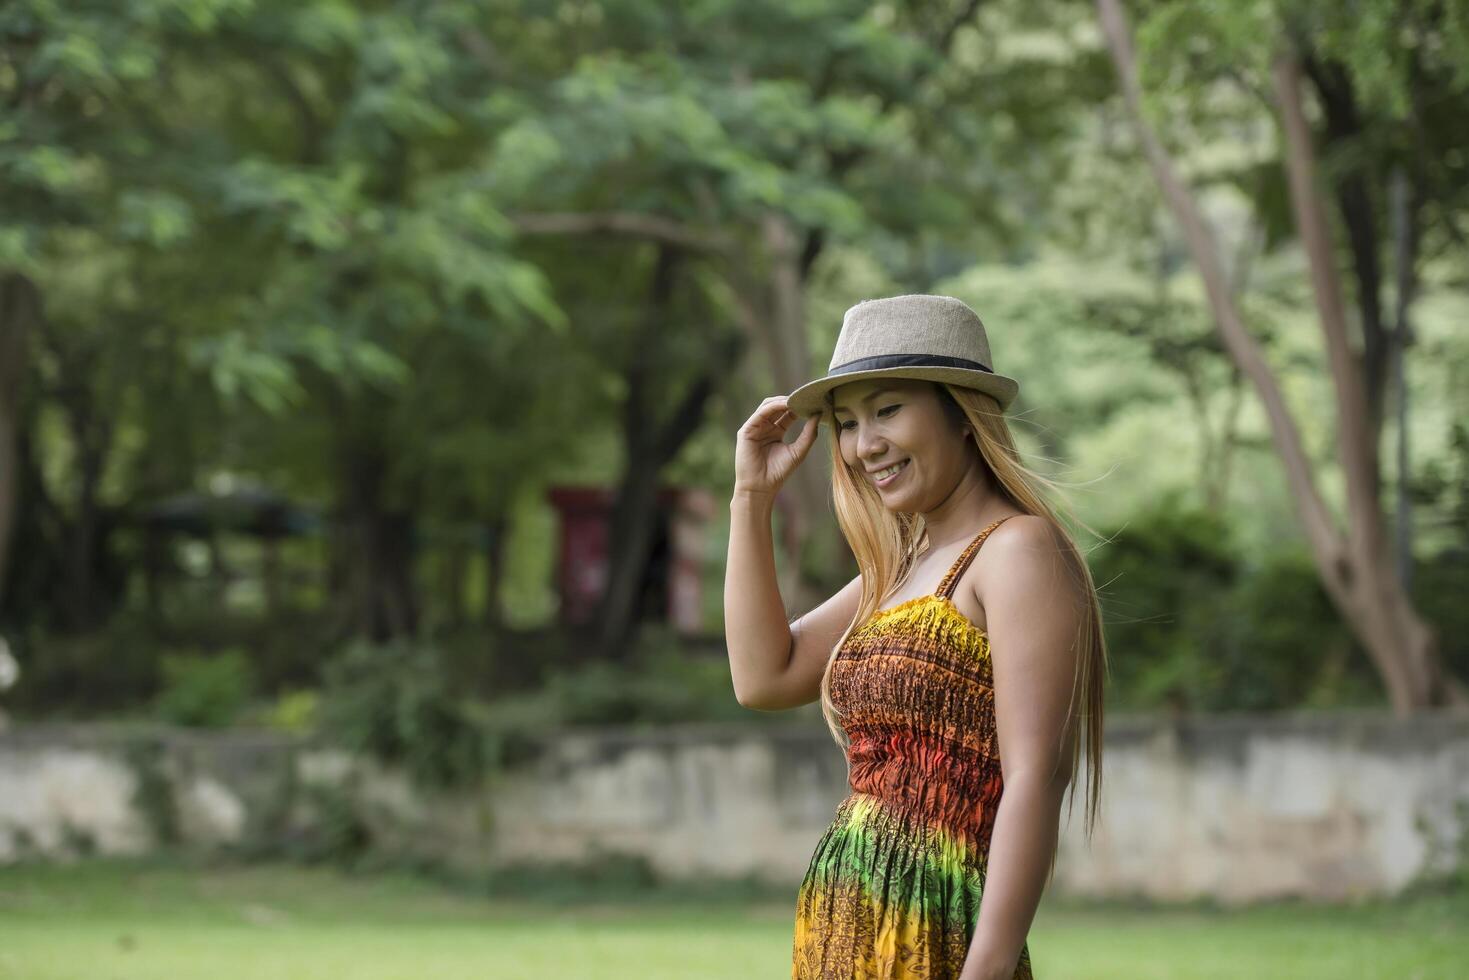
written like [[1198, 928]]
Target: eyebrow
[[866, 398]]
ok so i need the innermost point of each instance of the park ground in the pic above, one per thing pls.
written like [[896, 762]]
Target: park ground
[[122, 919]]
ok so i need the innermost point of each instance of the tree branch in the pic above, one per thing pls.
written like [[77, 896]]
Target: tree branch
[[1355, 442], [1325, 540]]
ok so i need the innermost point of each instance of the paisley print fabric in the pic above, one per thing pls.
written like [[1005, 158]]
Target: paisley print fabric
[[894, 887]]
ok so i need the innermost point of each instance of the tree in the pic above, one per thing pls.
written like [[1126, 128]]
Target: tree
[[355, 183], [283, 219], [91, 215], [746, 139], [1354, 565]]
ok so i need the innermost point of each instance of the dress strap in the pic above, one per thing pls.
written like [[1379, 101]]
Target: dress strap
[[951, 578]]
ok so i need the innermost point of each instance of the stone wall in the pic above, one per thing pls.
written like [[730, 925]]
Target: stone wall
[[1231, 807]]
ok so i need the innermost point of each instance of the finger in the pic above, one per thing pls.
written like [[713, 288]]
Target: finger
[[768, 412], [767, 405], [808, 435], [801, 443], [775, 418], [771, 403]]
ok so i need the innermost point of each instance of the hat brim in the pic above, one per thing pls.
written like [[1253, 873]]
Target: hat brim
[[810, 397]]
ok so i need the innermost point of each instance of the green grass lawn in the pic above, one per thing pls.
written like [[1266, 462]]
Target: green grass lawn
[[113, 920]]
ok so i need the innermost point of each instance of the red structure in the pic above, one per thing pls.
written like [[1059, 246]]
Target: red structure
[[672, 590]]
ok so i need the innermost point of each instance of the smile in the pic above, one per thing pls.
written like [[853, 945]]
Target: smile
[[885, 478]]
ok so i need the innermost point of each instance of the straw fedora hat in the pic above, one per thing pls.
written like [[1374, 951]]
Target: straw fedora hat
[[934, 338]]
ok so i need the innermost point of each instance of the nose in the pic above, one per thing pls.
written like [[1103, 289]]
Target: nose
[[870, 445]]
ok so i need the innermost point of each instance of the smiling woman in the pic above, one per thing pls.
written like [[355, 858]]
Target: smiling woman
[[964, 708], [882, 429]]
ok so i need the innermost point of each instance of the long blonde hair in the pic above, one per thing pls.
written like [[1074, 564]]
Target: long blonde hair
[[886, 545]]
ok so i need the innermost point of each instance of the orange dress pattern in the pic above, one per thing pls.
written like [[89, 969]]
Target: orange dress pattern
[[893, 889]]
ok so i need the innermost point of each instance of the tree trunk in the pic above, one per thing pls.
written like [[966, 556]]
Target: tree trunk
[[1343, 127], [20, 307], [1402, 644], [770, 307], [85, 543], [652, 440], [772, 313], [1405, 230], [35, 585], [270, 573], [379, 543], [634, 523], [453, 564], [496, 529], [1353, 568]]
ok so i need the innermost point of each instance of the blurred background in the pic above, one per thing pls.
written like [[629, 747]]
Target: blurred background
[[369, 381]]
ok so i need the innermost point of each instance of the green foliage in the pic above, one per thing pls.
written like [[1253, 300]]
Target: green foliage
[[666, 682], [666, 687], [1162, 579], [395, 702], [1191, 626], [77, 841], [205, 691], [308, 823], [80, 674], [294, 711], [1284, 645], [284, 649], [1388, 46], [337, 834], [1439, 587], [1445, 867], [153, 790], [278, 238]]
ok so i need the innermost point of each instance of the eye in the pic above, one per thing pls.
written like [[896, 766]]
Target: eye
[[885, 410]]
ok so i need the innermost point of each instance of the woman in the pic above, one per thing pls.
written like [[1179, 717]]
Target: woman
[[963, 686]]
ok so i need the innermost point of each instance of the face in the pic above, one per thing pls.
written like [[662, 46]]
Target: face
[[882, 422]]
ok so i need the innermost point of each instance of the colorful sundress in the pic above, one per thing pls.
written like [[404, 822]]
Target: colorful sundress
[[893, 889]]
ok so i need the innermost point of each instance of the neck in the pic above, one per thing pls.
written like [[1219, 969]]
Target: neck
[[973, 504]]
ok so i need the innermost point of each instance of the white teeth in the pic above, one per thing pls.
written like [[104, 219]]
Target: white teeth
[[884, 474]]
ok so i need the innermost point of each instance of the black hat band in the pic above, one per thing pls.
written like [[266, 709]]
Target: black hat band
[[882, 361]]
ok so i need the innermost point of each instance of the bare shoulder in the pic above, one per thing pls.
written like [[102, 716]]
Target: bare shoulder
[[1027, 566], [1023, 531]]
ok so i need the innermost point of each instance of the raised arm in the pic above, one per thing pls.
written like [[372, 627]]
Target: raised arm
[[774, 664]]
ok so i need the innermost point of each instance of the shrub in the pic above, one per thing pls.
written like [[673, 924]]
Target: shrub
[[1164, 582], [1439, 586], [394, 702], [76, 675], [1285, 645], [204, 691], [293, 711], [1190, 624]]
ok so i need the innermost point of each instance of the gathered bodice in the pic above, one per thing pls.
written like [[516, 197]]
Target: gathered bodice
[[914, 688]]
